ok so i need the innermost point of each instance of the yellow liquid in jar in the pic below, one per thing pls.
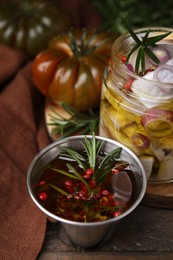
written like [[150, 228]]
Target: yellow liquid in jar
[[152, 142]]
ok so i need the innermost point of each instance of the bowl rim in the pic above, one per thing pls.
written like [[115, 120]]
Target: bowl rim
[[57, 218]]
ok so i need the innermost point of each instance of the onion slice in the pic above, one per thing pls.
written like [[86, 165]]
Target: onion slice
[[158, 122], [164, 73], [140, 140], [161, 53], [129, 67]]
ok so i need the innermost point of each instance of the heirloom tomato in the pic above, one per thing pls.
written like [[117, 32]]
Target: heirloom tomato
[[71, 69], [29, 24]]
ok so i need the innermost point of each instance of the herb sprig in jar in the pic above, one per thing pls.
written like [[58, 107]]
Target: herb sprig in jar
[[144, 47]]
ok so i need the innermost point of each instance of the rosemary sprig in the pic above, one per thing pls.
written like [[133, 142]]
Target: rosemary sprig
[[92, 148], [107, 164], [142, 47], [85, 123]]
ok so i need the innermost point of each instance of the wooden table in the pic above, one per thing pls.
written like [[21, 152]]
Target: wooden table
[[147, 233]]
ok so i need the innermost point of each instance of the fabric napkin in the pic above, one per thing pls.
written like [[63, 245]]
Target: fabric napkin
[[22, 135]]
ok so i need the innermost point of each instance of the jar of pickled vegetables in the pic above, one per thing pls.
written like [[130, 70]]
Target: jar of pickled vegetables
[[137, 98]]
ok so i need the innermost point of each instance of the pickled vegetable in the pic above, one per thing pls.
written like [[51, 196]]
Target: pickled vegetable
[[137, 110]]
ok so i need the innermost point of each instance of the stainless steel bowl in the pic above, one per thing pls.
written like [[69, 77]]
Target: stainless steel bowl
[[86, 234]]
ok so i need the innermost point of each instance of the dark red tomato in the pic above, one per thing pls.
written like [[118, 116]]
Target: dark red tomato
[[29, 24], [71, 69]]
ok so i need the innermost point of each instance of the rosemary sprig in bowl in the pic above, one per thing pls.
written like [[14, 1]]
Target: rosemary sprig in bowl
[[100, 168], [86, 177], [80, 208]]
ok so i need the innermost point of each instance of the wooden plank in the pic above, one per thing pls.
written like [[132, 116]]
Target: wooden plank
[[105, 256], [159, 195]]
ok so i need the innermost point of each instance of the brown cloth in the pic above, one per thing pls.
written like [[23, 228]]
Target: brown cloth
[[22, 134]]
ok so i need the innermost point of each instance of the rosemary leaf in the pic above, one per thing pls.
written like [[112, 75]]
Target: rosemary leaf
[[152, 55], [77, 157], [151, 41], [132, 51], [64, 173], [132, 33], [111, 155], [145, 38], [98, 147], [138, 61], [78, 176], [90, 150], [142, 60], [107, 163], [59, 190]]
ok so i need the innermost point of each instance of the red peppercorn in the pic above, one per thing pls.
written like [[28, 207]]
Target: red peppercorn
[[116, 203], [105, 203], [111, 197], [89, 171], [43, 196], [41, 183], [97, 195], [69, 196], [86, 176], [92, 184], [121, 165], [123, 59], [115, 171], [69, 186], [68, 183], [128, 84], [105, 192], [116, 214], [77, 197], [82, 193]]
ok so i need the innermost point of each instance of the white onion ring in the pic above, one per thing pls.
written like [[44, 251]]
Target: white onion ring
[[155, 118], [140, 140], [162, 68], [161, 53]]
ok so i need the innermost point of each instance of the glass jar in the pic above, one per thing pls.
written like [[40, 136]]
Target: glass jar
[[137, 110]]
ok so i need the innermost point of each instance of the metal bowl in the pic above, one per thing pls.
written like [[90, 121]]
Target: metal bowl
[[91, 233]]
